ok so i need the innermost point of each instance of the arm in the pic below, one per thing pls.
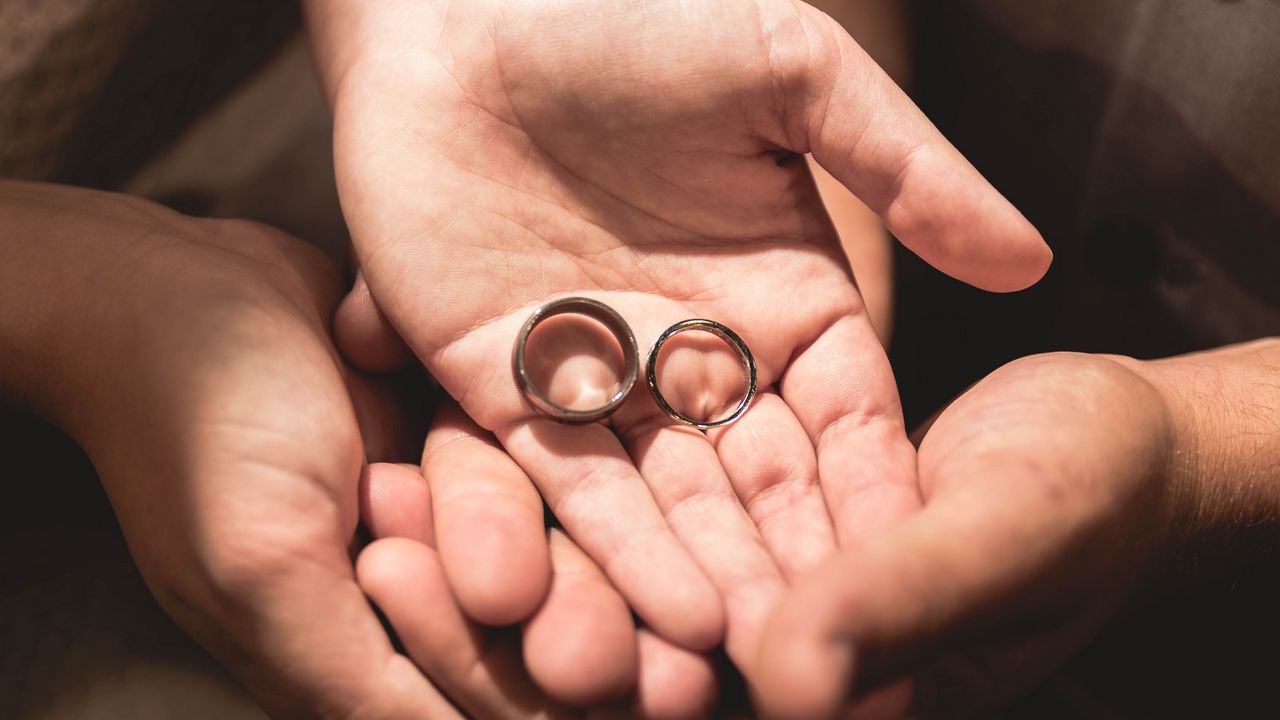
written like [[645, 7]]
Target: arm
[[1226, 406]]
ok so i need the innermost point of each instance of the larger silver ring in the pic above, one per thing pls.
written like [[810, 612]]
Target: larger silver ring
[[608, 317], [735, 342]]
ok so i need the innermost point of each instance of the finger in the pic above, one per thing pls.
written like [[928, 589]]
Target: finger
[[405, 580], [1018, 521], [580, 647], [694, 494], [674, 684], [489, 521], [595, 491], [365, 336], [876, 611], [866, 132], [871, 609], [395, 502], [771, 463], [391, 413], [842, 390]]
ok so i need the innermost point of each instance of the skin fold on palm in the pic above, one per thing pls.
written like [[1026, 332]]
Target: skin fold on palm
[[496, 155]]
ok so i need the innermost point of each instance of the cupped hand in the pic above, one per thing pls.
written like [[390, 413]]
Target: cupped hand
[[495, 155], [1049, 502], [191, 359]]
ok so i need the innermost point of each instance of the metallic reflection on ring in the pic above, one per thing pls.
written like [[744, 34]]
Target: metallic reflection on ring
[[595, 310], [722, 332]]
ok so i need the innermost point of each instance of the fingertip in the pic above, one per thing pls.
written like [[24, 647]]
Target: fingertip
[[675, 598], [1017, 263], [581, 646], [496, 557], [803, 670], [699, 620], [395, 501], [929, 195], [489, 522], [365, 336], [954, 219], [1038, 260], [380, 566], [674, 683]]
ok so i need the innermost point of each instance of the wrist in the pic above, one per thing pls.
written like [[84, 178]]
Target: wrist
[[1223, 468], [71, 262], [46, 280]]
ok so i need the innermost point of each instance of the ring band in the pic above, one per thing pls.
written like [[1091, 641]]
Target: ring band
[[722, 332], [595, 310]]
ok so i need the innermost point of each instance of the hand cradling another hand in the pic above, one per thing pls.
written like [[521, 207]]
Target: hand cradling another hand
[[191, 359], [493, 156], [1058, 492]]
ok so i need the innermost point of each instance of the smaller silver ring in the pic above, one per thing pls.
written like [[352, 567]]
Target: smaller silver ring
[[608, 317], [734, 341]]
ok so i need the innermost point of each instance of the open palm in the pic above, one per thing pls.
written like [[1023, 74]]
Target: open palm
[[495, 155]]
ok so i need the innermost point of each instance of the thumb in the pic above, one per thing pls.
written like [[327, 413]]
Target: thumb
[[867, 133], [874, 612]]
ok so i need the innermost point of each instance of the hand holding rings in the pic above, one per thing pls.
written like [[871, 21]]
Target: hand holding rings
[[621, 332]]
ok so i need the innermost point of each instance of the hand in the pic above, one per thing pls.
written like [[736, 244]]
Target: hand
[[580, 647], [1050, 500], [495, 155], [191, 359]]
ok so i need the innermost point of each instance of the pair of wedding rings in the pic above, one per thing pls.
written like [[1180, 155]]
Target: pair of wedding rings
[[621, 331]]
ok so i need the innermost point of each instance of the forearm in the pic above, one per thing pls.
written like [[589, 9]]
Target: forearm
[[72, 263], [1225, 406], [47, 288]]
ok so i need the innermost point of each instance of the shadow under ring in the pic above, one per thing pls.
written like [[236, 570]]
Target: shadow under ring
[[613, 322], [724, 333]]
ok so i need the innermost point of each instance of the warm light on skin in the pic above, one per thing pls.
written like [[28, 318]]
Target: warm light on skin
[[575, 361], [881, 28]]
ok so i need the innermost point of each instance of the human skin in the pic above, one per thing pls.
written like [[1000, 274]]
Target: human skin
[[492, 156], [882, 28], [192, 361], [582, 646], [1058, 492]]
